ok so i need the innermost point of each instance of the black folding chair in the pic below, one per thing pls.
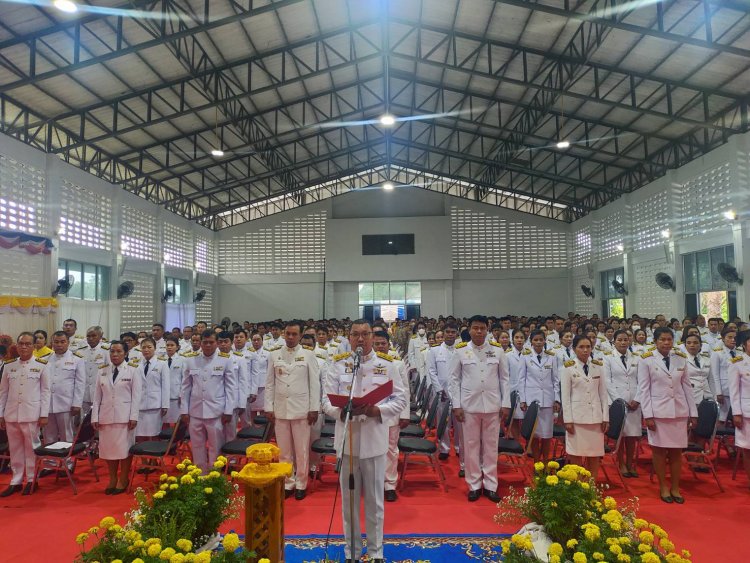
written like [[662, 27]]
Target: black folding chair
[[510, 451], [416, 430], [697, 455], [617, 413], [324, 448], [59, 458], [411, 447], [236, 450], [156, 450]]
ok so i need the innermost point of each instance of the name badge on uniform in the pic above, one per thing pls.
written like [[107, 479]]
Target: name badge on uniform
[[596, 377], [218, 368], [348, 367], [490, 354], [35, 370], [547, 366], [380, 370], [299, 359]]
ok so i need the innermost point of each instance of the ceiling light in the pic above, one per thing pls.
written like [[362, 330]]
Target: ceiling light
[[66, 6], [730, 215], [563, 144], [217, 152], [620, 248], [387, 120], [665, 233], [388, 186]]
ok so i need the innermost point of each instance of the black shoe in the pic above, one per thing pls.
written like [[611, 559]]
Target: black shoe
[[474, 495], [119, 491], [701, 470], [299, 494], [45, 472], [461, 473], [391, 496], [442, 456], [288, 493], [678, 499], [492, 495], [109, 490], [12, 489], [29, 488], [668, 499]]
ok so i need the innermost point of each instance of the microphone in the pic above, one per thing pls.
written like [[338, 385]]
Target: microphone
[[358, 353]]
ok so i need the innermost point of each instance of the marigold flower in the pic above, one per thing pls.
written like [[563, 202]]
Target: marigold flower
[[615, 548], [208, 490], [152, 541], [115, 528], [187, 480], [640, 523], [163, 477], [585, 486], [173, 486], [137, 560], [81, 538], [106, 522], [598, 556], [177, 558], [624, 557], [555, 549], [505, 544], [666, 545], [592, 534], [214, 474], [554, 559], [218, 464], [203, 557], [660, 533], [571, 543], [646, 537], [650, 558], [93, 530], [643, 548], [184, 544], [610, 503], [553, 465], [159, 495], [579, 557], [180, 467], [264, 560], [167, 554], [551, 480], [117, 561], [154, 549], [163, 487], [539, 466], [222, 459], [172, 479], [231, 542]]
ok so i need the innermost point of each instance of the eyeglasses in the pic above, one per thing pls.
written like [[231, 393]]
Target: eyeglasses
[[360, 334]]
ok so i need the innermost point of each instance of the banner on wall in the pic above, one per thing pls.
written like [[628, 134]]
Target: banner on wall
[[30, 243], [27, 305]]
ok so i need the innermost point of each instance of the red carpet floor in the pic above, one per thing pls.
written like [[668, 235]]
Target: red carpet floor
[[41, 528]]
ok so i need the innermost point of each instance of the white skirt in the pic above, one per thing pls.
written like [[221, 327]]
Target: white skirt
[[544, 422], [669, 433], [742, 435], [586, 441], [149, 423], [173, 413], [115, 441], [633, 424]]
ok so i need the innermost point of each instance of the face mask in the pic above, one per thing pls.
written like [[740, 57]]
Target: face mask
[[421, 332], [636, 327]]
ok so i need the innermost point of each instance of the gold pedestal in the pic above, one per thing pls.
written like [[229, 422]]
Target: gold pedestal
[[263, 480]]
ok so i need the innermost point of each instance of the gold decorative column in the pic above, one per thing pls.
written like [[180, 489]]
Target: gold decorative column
[[263, 479]]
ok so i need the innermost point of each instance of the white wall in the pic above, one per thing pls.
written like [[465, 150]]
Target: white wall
[[259, 298]]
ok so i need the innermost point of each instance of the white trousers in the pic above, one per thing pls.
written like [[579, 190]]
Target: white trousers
[[206, 439], [481, 433], [369, 475], [23, 437], [293, 438], [59, 427], [230, 428], [391, 459], [445, 441]]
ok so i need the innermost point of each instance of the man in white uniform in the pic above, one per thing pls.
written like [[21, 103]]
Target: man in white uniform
[[67, 372], [260, 368], [24, 405], [95, 353], [417, 343], [239, 363], [370, 429], [292, 402], [209, 396], [480, 392], [157, 333], [70, 326]]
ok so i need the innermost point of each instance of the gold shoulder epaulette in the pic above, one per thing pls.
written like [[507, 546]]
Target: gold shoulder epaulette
[[569, 363], [104, 366], [496, 345], [705, 354], [462, 345], [647, 354], [191, 354], [607, 353], [47, 355], [223, 355], [10, 361], [162, 358], [718, 349], [736, 359], [383, 356], [395, 357], [434, 345], [42, 361], [341, 356], [133, 364], [413, 335], [597, 362], [526, 352], [237, 353], [680, 354], [321, 356], [307, 347], [550, 352], [105, 346], [77, 354], [323, 347]]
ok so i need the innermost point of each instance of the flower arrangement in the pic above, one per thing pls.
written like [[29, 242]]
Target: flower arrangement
[[583, 526], [184, 513]]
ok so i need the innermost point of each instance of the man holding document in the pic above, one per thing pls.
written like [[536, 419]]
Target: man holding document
[[364, 449]]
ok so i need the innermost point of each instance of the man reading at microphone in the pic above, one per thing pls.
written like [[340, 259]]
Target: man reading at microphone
[[365, 453]]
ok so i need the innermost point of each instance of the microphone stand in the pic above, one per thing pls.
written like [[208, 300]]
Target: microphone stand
[[348, 426]]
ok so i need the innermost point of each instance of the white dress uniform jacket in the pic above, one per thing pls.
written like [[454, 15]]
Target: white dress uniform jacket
[[739, 395], [416, 344], [700, 376], [176, 368], [479, 378], [25, 390], [622, 379], [94, 358], [248, 384], [292, 383], [539, 380], [370, 433], [156, 388], [438, 362], [662, 392], [117, 402], [584, 397], [209, 386], [720, 359], [67, 381]]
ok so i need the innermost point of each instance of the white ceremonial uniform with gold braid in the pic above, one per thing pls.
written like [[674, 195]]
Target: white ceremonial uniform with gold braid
[[67, 381]]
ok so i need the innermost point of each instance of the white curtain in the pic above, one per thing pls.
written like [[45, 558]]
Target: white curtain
[[105, 314], [18, 314], [179, 314]]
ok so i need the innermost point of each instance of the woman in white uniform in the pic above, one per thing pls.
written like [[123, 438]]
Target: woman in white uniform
[[583, 391], [667, 402], [117, 399], [639, 345], [699, 368], [175, 365], [515, 359], [622, 383], [539, 381], [739, 397], [155, 394]]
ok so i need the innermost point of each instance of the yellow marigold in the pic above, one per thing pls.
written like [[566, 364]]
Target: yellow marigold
[[597, 556], [107, 522], [115, 528], [218, 464], [173, 486], [592, 534], [646, 537], [138, 544], [184, 545], [159, 494], [152, 541], [615, 548], [666, 545], [660, 533], [137, 560], [585, 486], [231, 542], [163, 487], [264, 560], [505, 544], [610, 503], [624, 557], [117, 561], [579, 557], [180, 467], [643, 548], [93, 530], [555, 549], [81, 538], [167, 554], [172, 479], [187, 480], [650, 558], [571, 544], [553, 465], [189, 557], [539, 466], [215, 474], [640, 523], [177, 558], [208, 490], [222, 459], [203, 557], [163, 477], [551, 480], [554, 559], [553, 504], [154, 549], [616, 526]]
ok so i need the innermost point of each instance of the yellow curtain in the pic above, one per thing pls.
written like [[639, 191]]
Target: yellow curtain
[[18, 313]]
